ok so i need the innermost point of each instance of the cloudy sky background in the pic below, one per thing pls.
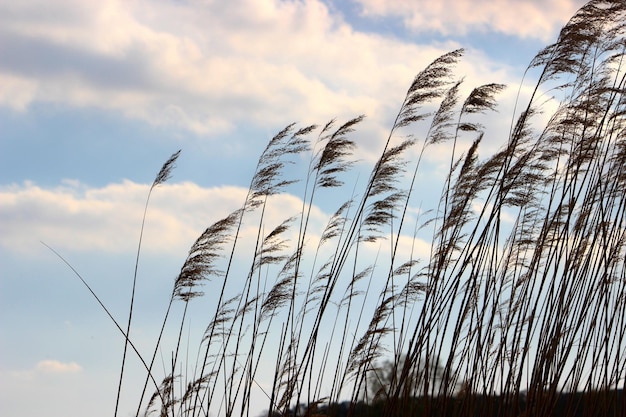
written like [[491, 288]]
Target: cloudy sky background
[[94, 96]]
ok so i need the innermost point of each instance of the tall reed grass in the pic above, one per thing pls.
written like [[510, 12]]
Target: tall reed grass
[[521, 299]]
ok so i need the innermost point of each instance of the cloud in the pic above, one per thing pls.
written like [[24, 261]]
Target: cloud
[[204, 67], [43, 367], [75, 217], [57, 367], [535, 19], [62, 389]]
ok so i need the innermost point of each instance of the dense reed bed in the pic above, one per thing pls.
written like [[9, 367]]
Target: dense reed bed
[[521, 299]]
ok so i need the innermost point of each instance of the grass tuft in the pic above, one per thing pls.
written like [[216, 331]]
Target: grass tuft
[[519, 306]]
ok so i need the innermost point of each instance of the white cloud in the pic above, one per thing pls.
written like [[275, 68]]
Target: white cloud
[[17, 92], [75, 218], [526, 19], [41, 368], [108, 219], [205, 67], [62, 389], [50, 366]]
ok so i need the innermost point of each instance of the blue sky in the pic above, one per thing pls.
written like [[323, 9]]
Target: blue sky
[[94, 96]]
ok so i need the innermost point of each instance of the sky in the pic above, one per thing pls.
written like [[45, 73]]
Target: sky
[[95, 96]]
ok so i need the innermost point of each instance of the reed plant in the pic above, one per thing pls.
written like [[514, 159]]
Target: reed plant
[[520, 302]]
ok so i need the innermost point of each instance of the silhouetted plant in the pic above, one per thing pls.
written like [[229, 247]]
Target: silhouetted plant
[[521, 302]]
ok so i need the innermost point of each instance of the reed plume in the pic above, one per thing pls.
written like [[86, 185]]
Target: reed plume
[[519, 306]]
